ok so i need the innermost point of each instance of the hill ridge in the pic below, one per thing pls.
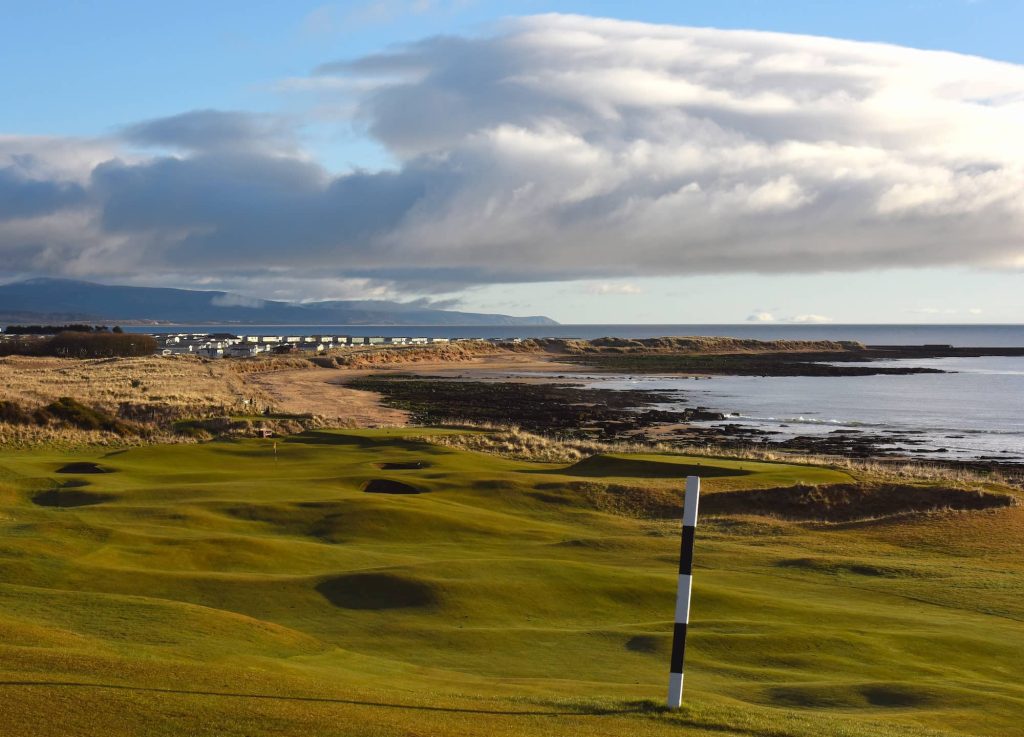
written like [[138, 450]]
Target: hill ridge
[[50, 298]]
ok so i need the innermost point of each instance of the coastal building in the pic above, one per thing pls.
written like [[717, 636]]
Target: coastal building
[[243, 350]]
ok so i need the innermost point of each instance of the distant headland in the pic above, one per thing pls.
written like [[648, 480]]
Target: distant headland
[[63, 300]]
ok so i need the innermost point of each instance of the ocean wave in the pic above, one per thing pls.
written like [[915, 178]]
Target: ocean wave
[[899, 428], [801, 420]]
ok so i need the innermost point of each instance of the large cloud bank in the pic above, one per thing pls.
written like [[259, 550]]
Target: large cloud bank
[[561, 147]]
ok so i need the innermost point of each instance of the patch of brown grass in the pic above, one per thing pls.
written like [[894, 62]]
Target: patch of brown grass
[[453, 352], [152, 391], [512, 442], [180, 381]]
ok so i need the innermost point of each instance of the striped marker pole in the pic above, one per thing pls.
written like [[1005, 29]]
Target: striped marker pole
[[675, 678]]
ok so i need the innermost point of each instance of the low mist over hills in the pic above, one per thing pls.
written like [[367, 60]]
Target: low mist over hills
[[66, 299]]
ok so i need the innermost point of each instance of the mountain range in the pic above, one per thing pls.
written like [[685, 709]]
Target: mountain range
[[47, 300]]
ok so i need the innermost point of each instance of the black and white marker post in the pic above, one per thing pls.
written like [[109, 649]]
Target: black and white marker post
[[675, 679]]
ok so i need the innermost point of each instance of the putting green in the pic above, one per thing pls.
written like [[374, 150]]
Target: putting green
[[224, 589]]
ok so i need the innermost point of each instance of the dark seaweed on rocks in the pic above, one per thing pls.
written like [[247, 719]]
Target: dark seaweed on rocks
[[549, 408]]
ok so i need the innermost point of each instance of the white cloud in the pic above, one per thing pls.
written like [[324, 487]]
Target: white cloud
[[654, 149], [235, 300], [613, 288], [946, 311], [559, 148], [760, 315]]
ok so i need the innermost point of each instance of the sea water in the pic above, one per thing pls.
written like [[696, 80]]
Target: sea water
[[974, 411]]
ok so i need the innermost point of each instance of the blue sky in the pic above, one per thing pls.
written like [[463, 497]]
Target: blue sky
[[85, 68], [88, 70]]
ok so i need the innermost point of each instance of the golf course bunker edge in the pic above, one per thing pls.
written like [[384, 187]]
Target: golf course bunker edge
[[376, 591], [70, 497], [390, 486], [402, 465], [83, 467]]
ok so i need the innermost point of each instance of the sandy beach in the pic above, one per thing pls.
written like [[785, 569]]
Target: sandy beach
[[325, 392]]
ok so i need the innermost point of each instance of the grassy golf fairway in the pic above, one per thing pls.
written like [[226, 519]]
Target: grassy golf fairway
[[217, 590]]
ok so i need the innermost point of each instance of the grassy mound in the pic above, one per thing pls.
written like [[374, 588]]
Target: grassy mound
[[848, 502]]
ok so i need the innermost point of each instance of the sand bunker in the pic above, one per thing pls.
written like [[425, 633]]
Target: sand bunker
[[390, 486], [376, 591], [406, 466], [83, 467], [70, 498], [848, 503]]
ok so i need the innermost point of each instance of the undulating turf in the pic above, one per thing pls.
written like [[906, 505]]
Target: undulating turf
[[226, 589]]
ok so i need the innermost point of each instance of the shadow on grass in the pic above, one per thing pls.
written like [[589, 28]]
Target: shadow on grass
[[390, 486], [602, 465], [67, 497], [83, 467], [376, 591], [317, 437], [639, 707]]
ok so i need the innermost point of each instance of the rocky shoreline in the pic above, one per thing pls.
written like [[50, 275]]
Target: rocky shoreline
[[571, 410], [555, 408]]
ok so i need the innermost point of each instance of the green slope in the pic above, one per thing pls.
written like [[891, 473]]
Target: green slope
[[220, 589]]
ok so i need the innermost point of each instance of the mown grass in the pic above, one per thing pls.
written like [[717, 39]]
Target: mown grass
[[225, 589]]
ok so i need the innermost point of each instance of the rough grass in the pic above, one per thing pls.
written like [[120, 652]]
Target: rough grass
[[150, 392], [515, 443], [223, 589], [134, 401], [183, 383], [849, 502]]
